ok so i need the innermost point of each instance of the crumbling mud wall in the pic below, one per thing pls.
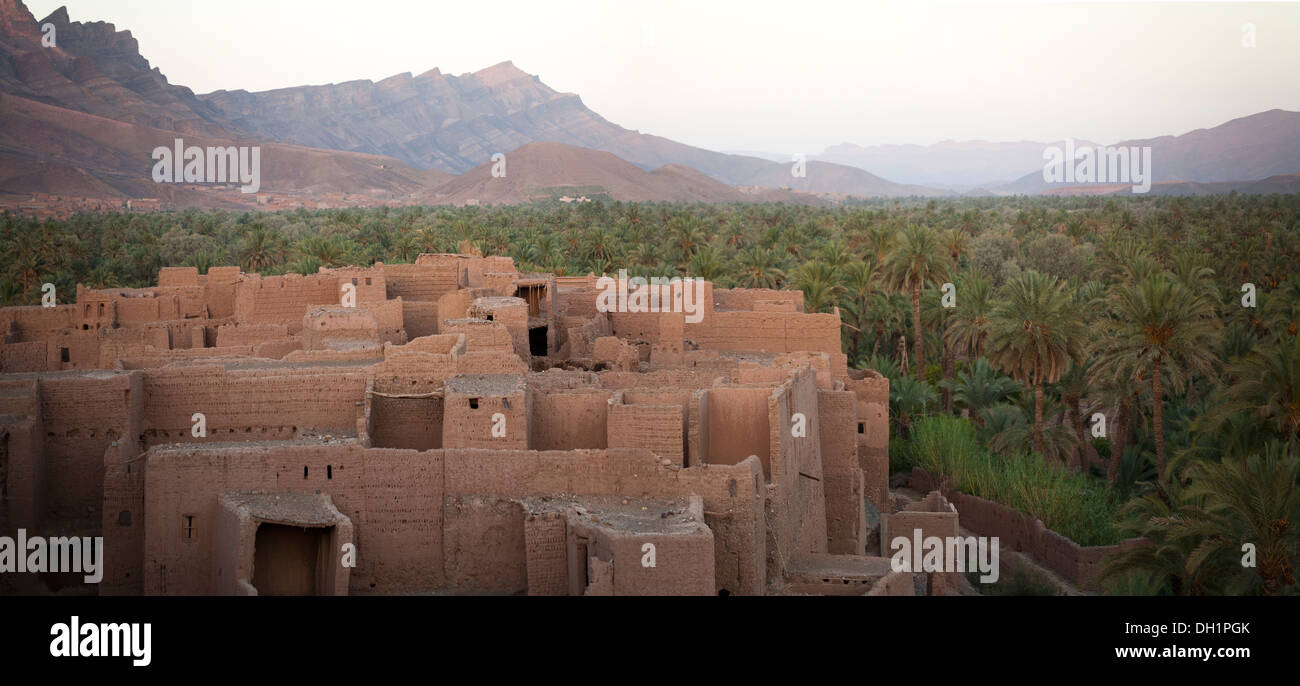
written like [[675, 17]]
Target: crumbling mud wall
[[567, 419]]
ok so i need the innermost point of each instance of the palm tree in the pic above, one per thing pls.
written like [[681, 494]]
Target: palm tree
[[758, 268], [909, 399], [261, 249], [1266, 384], [709, 265], [880, 239], [957, 243], [1252, 500], [1160, 328], [888, 314], [406, 247], [980, 387], [1034, 335], [1119, 386], [860, 283], [688, 237], [1198, 532], [969, 326], [819, 283], [935, 317], [916, 261]]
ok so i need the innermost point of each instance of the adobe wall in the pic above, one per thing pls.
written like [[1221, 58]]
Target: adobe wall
[[178, 276], [339, 328], [484, 545], [285, 299], [688, 401], [779, 367], [731, 493], [23, 468], [568, 419], [447, 262], [80, 347], [370, 283], [509, 312], [251, 405], [420, 282], [661, 378], [122, 522], [777, 332], [219, 291], [414, 423], [419, 318], [471, 402], [1017, 531], [149, 357], [35, 323], [578, 303], [31, 356], [480, 334], [575, 337], [393, 498], [894, 584], [797, 500], [645, 327], [389, 318], [933, 516], [614, 353], [134, 306], [477, 267], [683, 559], [746, 299], [490, 362], [1080, 565], [82, 416], [738, 426], [845, 516], [455, 305], [398, 503], [657, 428], [404, 404], [501, 283], [234, 334], [546, 563], [827, 574], [872, 393]]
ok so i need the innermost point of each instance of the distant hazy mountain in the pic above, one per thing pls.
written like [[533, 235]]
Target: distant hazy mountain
[[769, 156], [1247, 149], [1281, 183], [960, 165]]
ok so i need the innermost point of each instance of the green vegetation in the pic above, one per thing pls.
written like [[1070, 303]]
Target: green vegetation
[[1072, 504], [1065, 307]]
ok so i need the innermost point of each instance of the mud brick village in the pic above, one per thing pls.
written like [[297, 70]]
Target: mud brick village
[[451, 426]]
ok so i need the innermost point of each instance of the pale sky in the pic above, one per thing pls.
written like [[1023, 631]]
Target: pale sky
[[778, 76]]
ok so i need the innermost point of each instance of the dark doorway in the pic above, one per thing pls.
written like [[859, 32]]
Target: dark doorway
[[537, 342], [286, 559]]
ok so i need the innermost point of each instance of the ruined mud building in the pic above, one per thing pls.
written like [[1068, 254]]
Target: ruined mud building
[[465, 427]]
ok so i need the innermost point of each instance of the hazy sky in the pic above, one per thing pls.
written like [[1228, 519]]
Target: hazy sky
[[767, 76]]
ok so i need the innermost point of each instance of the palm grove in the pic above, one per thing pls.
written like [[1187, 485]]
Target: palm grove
[[1062, 309]]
